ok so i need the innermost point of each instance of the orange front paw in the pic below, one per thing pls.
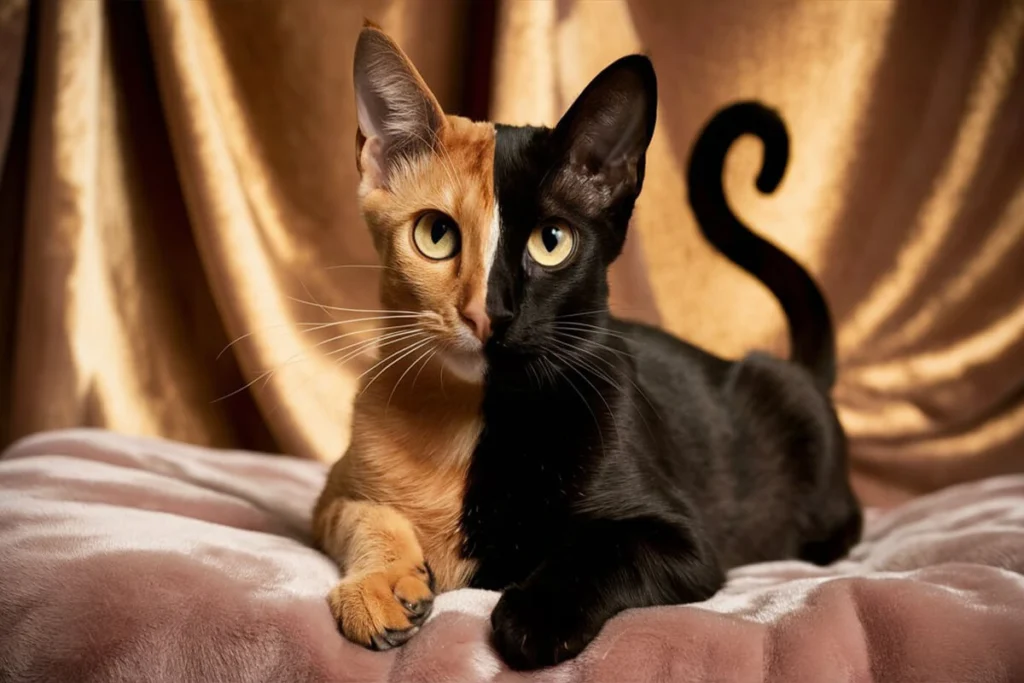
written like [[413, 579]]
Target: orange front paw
[[383, 609]]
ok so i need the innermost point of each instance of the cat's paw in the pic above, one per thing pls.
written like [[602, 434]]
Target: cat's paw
[[381, 610], [532, 630]]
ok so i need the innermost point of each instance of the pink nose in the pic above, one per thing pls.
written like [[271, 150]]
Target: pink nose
[[474, 314]]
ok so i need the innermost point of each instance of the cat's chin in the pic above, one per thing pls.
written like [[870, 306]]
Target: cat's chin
[[468, 366]]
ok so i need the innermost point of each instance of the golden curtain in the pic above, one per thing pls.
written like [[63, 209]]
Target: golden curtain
[[180, 174]]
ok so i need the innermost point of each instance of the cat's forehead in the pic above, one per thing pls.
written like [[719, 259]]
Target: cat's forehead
[[468, 146], [476, 167], [490, 178]]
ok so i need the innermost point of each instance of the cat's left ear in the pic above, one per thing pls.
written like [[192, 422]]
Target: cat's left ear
[[398, 116], [607, 129]]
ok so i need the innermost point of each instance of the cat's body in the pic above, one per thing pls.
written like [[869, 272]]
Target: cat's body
[[580, 463], [728, 451]]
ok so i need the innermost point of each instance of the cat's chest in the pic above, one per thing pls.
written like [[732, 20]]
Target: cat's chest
[[528, 470]]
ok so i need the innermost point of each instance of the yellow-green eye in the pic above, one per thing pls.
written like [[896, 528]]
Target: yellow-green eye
[[551, 244], [436, 236]]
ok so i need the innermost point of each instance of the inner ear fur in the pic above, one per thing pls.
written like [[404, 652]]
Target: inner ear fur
[[605, 133], [398, 116]]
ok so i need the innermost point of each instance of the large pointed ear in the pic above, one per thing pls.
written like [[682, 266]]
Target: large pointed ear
[[398, 115], [607, 129]]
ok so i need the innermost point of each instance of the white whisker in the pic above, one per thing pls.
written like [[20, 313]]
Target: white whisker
[[414, 347], [586, 327], [379, 342], [611, 365], [395, 388], [581, 314], [355, 332], [313, 327], [310, 295], [573, 364], [360, 265], [425, 364], [363, 310], [597, 423]]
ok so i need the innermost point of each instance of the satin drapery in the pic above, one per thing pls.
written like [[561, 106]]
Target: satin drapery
[[178, 174]]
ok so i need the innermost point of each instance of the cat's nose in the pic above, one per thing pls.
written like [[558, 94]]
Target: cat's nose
[[474, 314]]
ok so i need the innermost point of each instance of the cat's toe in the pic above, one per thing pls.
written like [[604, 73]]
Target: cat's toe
[[531, 634], [389, 638], [382, 610]]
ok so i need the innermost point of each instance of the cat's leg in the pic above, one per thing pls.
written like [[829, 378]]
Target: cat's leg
[[603, 567], [387, 589]]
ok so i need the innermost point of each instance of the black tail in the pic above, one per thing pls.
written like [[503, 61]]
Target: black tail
[[812, 342]]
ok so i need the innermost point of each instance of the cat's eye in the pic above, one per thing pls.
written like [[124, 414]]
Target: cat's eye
[[551, 244], [436, 236]]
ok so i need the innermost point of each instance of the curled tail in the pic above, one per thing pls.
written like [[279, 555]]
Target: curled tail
[[812, 341]]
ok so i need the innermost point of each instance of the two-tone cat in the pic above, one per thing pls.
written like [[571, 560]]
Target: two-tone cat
[[517, 436]]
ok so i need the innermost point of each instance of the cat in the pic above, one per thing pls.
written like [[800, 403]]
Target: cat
[[580, 463]]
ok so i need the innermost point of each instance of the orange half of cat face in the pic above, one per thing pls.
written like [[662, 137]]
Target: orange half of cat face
[[458, 208], [431, 264], [427, 195]]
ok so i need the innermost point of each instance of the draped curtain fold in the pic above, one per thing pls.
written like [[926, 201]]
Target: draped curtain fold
[[180, 247]]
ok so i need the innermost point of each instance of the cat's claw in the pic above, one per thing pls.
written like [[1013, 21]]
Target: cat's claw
[[390, 638]]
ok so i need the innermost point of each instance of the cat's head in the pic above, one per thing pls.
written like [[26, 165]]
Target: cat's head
[[497, 231]]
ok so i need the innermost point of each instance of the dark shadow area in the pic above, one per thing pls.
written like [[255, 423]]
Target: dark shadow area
[[165, 250], [13, 192], [479, 60]]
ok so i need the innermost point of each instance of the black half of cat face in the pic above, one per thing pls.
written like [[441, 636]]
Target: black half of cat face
[[565, 196]]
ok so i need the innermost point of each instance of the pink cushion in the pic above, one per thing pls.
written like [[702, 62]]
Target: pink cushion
[[131, 559]]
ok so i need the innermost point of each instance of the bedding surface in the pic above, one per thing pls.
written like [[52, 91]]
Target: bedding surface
[[132, 559]]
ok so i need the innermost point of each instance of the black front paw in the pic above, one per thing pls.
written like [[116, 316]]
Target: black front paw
[[534, 629]]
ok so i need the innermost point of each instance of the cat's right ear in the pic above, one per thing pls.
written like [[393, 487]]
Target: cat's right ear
[[398, 115]]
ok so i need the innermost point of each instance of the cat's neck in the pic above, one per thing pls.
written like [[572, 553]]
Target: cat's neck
[[425, 409]]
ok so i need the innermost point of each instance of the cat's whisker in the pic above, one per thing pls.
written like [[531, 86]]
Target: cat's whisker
[[574, 364], [242, 388], [575, 335], [582, 313], [310, 327], [425, 364], [310, 295], [379, 342], [533, 375], [380, 361], [586, 404], [594, 370], [359, 265], [585, 327], [425, 314], [385, 359], [387, 337], [411, 349], [598, 356], [297, 357], [239, 338], [589, 366], [402, 376], [355, 332], [549, 370]]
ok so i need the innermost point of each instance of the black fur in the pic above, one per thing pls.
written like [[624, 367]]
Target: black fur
[[620, 467]]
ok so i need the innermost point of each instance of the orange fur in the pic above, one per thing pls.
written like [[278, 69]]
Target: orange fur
[[394, 500]]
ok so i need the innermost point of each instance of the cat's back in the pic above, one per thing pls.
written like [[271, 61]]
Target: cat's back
[[744, 437]]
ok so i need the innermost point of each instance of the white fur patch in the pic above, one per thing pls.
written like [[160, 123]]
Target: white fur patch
[[491, 247]]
